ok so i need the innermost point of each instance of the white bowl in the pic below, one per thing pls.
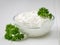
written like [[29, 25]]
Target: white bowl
[[37, 31]]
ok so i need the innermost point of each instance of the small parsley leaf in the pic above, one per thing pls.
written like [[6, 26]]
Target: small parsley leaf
[[44, 13]]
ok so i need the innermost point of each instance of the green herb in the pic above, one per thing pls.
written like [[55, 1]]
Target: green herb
[[13, 33], [43, 12]]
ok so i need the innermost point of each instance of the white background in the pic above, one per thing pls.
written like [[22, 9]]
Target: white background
[[9, 8]]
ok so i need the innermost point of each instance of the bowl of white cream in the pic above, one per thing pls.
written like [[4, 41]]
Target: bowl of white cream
[[32, 24]]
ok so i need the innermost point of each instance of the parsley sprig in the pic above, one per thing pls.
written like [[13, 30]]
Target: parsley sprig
[[13, 33], [44, 13]]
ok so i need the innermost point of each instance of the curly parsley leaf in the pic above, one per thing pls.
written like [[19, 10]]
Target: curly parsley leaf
[[44, 13], [13, 33]]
